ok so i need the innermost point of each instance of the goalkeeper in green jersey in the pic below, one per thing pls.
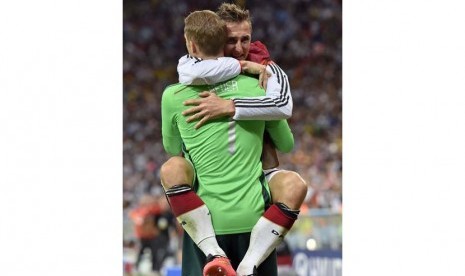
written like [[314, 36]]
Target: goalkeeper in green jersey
[[229, 194], [287, 188]]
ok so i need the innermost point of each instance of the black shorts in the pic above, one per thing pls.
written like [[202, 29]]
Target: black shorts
[[235, 246]]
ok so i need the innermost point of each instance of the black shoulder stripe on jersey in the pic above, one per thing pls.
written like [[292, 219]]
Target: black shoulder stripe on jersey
[[283, 94], [272, 69], [256, 106], [278, 73], [284, 89], [262, 105], [262, 100], [259, 102], [280, 101]]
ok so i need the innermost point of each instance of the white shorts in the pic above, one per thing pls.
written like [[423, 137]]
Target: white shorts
[[270, 173]]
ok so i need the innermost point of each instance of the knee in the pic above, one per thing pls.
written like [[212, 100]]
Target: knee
[[169, 166], [295, 184], [289, 188], [176, 171]]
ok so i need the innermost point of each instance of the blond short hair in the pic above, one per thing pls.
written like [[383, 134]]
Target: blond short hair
[[207, 30], [233, 13]]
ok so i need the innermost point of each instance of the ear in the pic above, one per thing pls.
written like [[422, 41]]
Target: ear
[[193, 47]]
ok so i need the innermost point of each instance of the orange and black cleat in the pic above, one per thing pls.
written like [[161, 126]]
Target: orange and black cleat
[[218, 266]]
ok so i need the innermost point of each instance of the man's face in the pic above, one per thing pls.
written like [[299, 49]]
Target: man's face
[[238, 43]]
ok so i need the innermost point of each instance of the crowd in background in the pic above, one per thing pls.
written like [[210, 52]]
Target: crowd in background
[[304, 38]]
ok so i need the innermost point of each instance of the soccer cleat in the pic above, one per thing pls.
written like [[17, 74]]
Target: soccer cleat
[[218, 266]]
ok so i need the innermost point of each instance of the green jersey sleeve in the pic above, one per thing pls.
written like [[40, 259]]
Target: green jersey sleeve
[[281, 135], [172, 141]]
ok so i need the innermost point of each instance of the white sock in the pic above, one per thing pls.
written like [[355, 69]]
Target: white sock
[[265, 237], [197, 223]]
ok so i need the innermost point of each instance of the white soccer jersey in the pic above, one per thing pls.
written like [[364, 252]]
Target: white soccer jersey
[[196, 71], [275, 105]]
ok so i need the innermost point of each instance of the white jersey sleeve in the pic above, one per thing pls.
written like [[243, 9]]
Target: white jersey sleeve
[[275, 105], [196, 71]]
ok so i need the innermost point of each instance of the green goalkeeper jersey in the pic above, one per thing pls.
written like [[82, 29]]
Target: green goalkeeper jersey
[[225, 154]]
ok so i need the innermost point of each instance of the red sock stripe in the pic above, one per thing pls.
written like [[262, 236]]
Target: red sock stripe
[[285, 260], [185, 202], [277, 216]]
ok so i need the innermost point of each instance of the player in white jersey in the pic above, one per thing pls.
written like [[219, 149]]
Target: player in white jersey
[[275, 105]]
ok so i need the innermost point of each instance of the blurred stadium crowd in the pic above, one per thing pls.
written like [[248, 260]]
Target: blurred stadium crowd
[[304, 38]]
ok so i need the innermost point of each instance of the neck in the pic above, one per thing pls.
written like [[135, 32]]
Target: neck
[[204, 57], [212, 57]]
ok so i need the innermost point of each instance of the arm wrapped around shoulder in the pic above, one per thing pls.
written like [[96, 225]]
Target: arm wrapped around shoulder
[[281, 135]]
